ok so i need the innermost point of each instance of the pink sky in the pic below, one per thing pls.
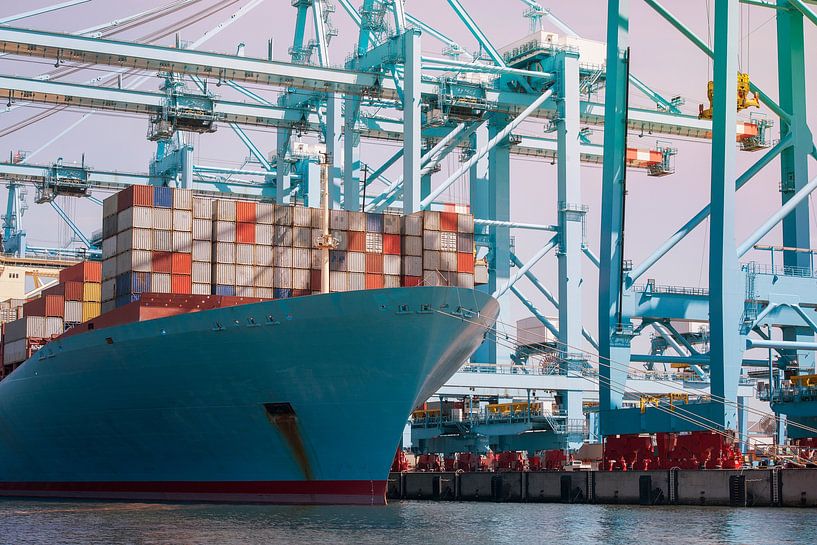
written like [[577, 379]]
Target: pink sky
[[660, 56]]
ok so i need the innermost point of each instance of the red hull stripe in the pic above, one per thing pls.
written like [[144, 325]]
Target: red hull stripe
[[359, 492]]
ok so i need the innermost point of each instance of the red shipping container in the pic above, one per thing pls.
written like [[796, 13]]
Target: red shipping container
[[448, 221], [162, 262], [391, 244], [465, 262], [300, 293], [245, 233], [411, 280], [73, 291], [47, 305], [135, 195], [374, 281], [181, 283], [84, 271], [356, 241], [245, 212], [315, 279], [182, 264], [374, 263]]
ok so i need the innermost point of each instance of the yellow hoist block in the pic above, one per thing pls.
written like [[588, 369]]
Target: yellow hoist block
[[745, 100]]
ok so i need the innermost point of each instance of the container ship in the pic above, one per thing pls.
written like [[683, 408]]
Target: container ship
[[235, 351]]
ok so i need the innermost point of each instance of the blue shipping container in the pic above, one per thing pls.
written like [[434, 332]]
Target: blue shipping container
[[127, 298], [133, 282], [225, 290], [337, 260], [163, 197], [282, 293], [374, 223]]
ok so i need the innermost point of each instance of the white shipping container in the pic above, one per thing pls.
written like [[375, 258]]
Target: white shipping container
[[431, 220], [109, 226], [108, 289], [245, 291], [356, 262], [183, 242], [300, 279], [339, 219], [15, 351], [391, 224], [263, 256], [123, 262], [26, 327], [163, 241], [142, 217], [342, 238], [110, 206], [264, 234], [317, 258], [182, 199], [339, 281], [448, 261], [202, 272], [244, 275], [448, 242], [357, 222], [302, 237], [433, 278], [201, 288], [182, 220], [141, 261], [55, 326], [109, 247], [391, 281], [124, 219], [224, 210], [465, 243], [202, 229], [244, 254], [357, 281], [282, 257], [202, 208], [283, 236], [163, 218], [160, 283], [431, 240], [465, 223], [224, 253], [301, 258], [413, 224], [72, 311], [264, 293], [264, 277], [265, 213], [391, 264], [465, 280], [431, 260], [301, 217], [224, 274], [283, 215], [374, 243], [224, 231], [202, 250], [316, 215], [413, 245], [412, 265], [282, 277]]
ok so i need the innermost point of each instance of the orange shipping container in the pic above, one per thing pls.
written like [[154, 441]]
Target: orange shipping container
[[182, 264], [135, 195], [448, 222], [245, 233], [73, 291], [85, 271], [162, 262], [374, 281], [465, 262], [374, 264], [356, 241], [47, 305], [391, 244], [411, 280], [181, 283], [245, 212]]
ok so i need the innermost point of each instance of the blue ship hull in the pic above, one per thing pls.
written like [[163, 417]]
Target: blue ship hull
[[298, 400]]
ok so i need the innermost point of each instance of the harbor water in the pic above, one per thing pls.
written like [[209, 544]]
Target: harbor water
[[429, 523]]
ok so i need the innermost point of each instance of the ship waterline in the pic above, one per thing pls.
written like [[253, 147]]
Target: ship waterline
[[299, 400]]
